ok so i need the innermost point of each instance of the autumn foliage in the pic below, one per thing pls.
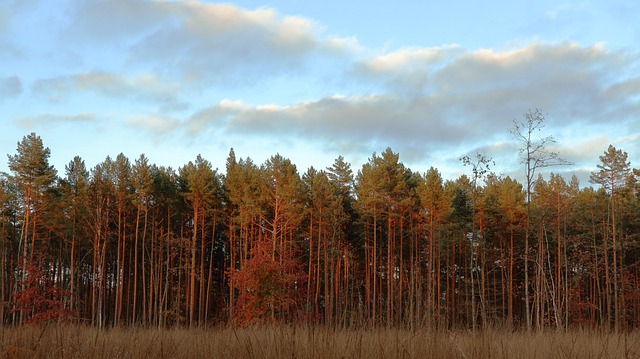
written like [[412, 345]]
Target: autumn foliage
[[270, 289], [40, 300], [131, 243]]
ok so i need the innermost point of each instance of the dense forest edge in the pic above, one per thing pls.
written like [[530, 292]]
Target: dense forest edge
[[130, 243]]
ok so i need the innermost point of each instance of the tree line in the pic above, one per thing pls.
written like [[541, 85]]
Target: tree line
[[133, 243]]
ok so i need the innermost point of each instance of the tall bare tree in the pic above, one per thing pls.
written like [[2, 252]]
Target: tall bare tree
[[535, 155]]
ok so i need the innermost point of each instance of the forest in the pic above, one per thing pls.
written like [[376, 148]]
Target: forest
[[132, 243]]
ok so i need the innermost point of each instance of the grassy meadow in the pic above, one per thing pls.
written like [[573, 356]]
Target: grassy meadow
[[66, 341]]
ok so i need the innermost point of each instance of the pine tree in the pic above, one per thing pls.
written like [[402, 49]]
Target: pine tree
[[200, 189], [141, 182], [241, 191], [101, 203], [613, 174], [326, 238], [33, 177], [76, 193], [7, 198], [435, 206], [121, 177], [459, 227], [511, 202], [383, 194]]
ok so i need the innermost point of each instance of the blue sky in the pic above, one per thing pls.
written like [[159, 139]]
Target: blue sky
[[313, 80]]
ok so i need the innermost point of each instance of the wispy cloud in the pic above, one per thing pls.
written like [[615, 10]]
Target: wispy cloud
[[10, 87], [408, 69], [202, 42], [142, 87], [52, 120]]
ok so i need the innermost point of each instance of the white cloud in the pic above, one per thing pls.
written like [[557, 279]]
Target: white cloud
[[407, 70], [158, 124], [343, 44], [402, 59]]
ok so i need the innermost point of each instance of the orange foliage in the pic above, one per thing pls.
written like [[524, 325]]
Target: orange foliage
[[269, 288], [40, 301]]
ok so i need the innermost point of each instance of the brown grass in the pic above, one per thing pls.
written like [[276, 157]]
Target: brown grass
[[301, 342]]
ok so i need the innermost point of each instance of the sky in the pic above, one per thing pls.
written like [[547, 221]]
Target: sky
[[314, 80]]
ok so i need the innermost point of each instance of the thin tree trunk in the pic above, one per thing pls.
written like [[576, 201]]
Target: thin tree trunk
[[134, 319], [192, 280]]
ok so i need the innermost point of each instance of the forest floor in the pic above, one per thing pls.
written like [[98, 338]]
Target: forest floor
[[66, 341]]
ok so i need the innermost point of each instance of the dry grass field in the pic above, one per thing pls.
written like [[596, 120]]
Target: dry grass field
[[298, 342]]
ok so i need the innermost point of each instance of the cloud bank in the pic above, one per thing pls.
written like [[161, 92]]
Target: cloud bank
[[192, 70]]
